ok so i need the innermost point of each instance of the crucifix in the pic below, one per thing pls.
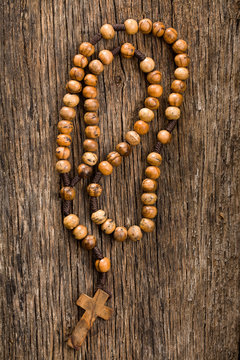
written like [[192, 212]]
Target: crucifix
[[94, 307]]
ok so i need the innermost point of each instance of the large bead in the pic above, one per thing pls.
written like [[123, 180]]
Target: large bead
[[71, 100], [149, 212], [107, 31], [152, 103], [147, 225], [141, 127], [127, 50], [135, 233], [99, 217], [68, 193], [178, 86], [149, 185], [158, 29], [108, 226], [89, 242], [80, 232], [89, 158], [91, 105], [96, 67], [91, 80], [145, 26], [90, 145], [148, 198], [124, 149], [180, 46], [103, 265], [91, 118], [84, 170], [147, 64], [170, 35], [182, 60], [65, 127], [71, 221], [105, 167], [76, 73], [154, 77], [114, 158], [64, 140], [146, 114], [172, 113], [132, 138], [67, 113], [106, 57], [86, 49], [62, 152], [89, 92], [152, 172], [120, 233], [175, 99], [181, 73], [155, 90], [164, 136], [63, 166], [131, 26], [92, 132], [154, 159], [94, 190], [80, 61]]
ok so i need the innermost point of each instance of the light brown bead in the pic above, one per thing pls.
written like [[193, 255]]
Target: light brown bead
[[92, 132], [148, 198], [147, 64], [63, 166], [86, 49], [152, 172], [141, 127], [180, 46], [182, 60], [154, 158], [80, 61], [64, 140], [68, 193], [132, 138], [158, 29], [108, 226], [178, 86], [152, 103], [114, 158], [71, 100], [89, 92], [105, 168], [154, 77], [107, 31], [155, 90], [96, 67], [175, 99], [76, 73], [80, 232], [103, 265], [90, 145], [94, 190], [147, 225], [164, 136], [145, 26], [71, 221], [172, 113], [106, 57], [181, 73], [134, 233], [65, 126], [89, 242], [170, 35], [91, 105], [62, 152], [91, 118], [149, 212], [131, 26], [67, 113], [74, 86], [90, 158], [120, 233], [146, 114], [124, 149], [127, 50], [99, 217], [84, 170], [149, 185], [91, 80]]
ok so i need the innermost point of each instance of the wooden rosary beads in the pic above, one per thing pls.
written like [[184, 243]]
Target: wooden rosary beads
[[96, 306]]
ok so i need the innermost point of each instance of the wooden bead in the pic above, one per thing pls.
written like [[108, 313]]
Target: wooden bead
[[170, 35], [86, 49], [114, 158], [164, 136], [148, 198], [71, 221], [180, 46], [92, 132], [89, 242], [134, 233], [91, 105], [149, 185], [152, 172], [108, 226], [90, 158], [127, 50], [99, 217], [80, 61], [68, 193], [155, 90], [91, 118], [120, 233], [91, 80], [106, 57], [107, 31], [124, 149], [90, 145], [132, 138], [131, 26], [172, 113], [145, 26], [96, 67], [147, 64], [141, 127], [175, 99], [64, 140], [149, 212], [154, 77], [63, 166], [103, 265], [146, 114], [154, 158], [182, 60], [94, 190], [80, 232], [62, 152], [74, 86], [84, 170], [76, 73], [181, 73], [105, 167], [147, 225], [65, 126], [152, 103], [67, 113], [158, 29], [178, 86], [89, 92], [71, 100]]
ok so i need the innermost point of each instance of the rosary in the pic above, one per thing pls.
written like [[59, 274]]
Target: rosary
[[95, 307]]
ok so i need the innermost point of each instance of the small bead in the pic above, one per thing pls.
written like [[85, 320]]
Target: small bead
[[108, 226], [84, 170], [131, 26], [152, 172], [105, 168], [178, 86], [91, 105], [114, 158], [86, 49], [94, 190], [107, 31], [89, 158], [182, 60], [127, 50], [147, 64], [149, 212], [164, 136], [74, 86], [64, 140], [154, 77], [154, 159], [89, 92], [103, 265], [175, 99], [152, 103], [124, 149], [132, 138], [120, 233], [149, 185], [146, 114], [80, 232], [89, 242], [90, 145], [67, 113], [99, 217], [181, 73], [158, 29], [63, 166], [91, 80], [76, 73], [141, 127], [92, 132], [106, 57], [155, 90], [68, 193], [134, 233], [172, 113], [62, 152], [96, 67], [70, 100], [180, 46], [65, 126], [170, 35], [80, 61], [148, 198], [147, 225], [91, 118], [145, 26], [71, 221]]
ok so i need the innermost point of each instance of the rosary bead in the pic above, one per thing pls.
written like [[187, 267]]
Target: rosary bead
[[80, 232], [155, 90], [90, 145], [154, 77], [132, 138], [96, 67], [178, 86], [105, 167], [134, 233], [71, 100], [92, 132], [175, 99], [99, 217], [63, 166], [94, 190], [152, 172], [172, 113], [74, 86], [89, 242], [76, 73], [158, 29], [147, 225], [62, 152], [124, 149], [182, 60], [89, 158], [141, 127], [91, 118], [107, 31], [145, 26], [120, 233], [86, 49], [108, 226], [91, 105], [64, 140], [180, 46], [65, 126], [148, 198], [131, 26], [106, 57], [71, 221], [149, 212], [127, 50], [91, 80], [84, 170], [114, 158], [147, 65], [152, 103], [181, 73], [67, 113], [68, 193], [154, 158], [103, 265], [170, 35], [80, 61], [149, 185], [89, 92], [164, 136], [146, 114]]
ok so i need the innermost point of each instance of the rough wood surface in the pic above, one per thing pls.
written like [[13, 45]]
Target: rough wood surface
[[175, 293]]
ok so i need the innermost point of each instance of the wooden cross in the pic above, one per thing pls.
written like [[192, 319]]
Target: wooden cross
[[94, 307]]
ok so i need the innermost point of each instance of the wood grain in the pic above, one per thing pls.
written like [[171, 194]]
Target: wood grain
[[175, 293]]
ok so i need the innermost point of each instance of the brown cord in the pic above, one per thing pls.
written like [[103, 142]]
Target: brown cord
[[75, 180], [66, 179], [171, 125], [93, 204], [139, 55], [116, 50], [67, 204], [97, 37], [97, 177], [119, 27], [97, 253]]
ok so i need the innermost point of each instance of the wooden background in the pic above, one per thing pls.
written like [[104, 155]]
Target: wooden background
[[175, 293]]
